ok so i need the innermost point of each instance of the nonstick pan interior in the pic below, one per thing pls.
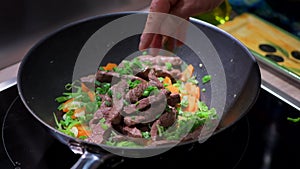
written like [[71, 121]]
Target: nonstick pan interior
[[49, 65]]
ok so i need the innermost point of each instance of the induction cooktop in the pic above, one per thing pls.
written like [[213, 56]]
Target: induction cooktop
[[262, 139]]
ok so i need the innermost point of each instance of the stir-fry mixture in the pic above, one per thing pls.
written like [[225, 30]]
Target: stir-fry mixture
[[147, 101]]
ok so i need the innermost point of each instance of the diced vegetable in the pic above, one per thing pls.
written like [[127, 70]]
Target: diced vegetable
[[173, 89], [167, 81], [66, 105], [168, 65], [187, 73], [110, 66], [206, 79]]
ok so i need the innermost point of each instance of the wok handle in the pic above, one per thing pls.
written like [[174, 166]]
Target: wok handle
[[90, 160]]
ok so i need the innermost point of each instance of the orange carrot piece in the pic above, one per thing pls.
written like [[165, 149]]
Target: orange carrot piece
[[65, 109], [110, 66], [187, 73], [82, 131], [198, 92], [192, 107], [84, 88], [173, 89], [91, 95], [167, 81]]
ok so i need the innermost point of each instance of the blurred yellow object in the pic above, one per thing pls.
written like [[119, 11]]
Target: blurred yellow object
[[219, 15], [283, 48]]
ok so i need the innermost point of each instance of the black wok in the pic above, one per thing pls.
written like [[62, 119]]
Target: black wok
[[49, 65]]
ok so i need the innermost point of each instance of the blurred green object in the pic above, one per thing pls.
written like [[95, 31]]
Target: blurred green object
[[219, 15]]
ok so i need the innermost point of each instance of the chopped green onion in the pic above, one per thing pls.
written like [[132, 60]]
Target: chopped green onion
[[161, 79], [102, 123], [193, 80], [295, 120], [206, 78], [168, 65], [146, 134], [184, 102], [62, 99], [134, 83]]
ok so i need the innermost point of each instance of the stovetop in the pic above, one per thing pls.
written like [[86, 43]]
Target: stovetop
[[262, 139]]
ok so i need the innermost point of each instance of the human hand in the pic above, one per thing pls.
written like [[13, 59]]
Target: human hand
[[180, 8]]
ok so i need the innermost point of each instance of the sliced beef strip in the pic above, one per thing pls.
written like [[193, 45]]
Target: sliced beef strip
[[98, 115], [132, 132], [99, 135], [154, 130], [105, 99], [113, 115], [140, 105], [129, 109], [143, 74], [153, 80], [89, 81], [134, 94], [103, 76], [161, 71], [114, 77], [168, 118], [173, 99], [193, 135], [133, 120], [160, 60], [118, 94], [157, 107]]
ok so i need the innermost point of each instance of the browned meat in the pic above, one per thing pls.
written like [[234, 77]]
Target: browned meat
[[161, 60], [193, 135], [113, 116], [153, 80], [144, 74], [100, 112], [103, 76], [154, 130], [118, 94], [168, 118], [133, 95], [161, 71], [106, 100], [98, 115], [141, 104], [132, 132], [158, 104], [133, 120], [99, 135], [89, 81], [130, 109], [173, 100]]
